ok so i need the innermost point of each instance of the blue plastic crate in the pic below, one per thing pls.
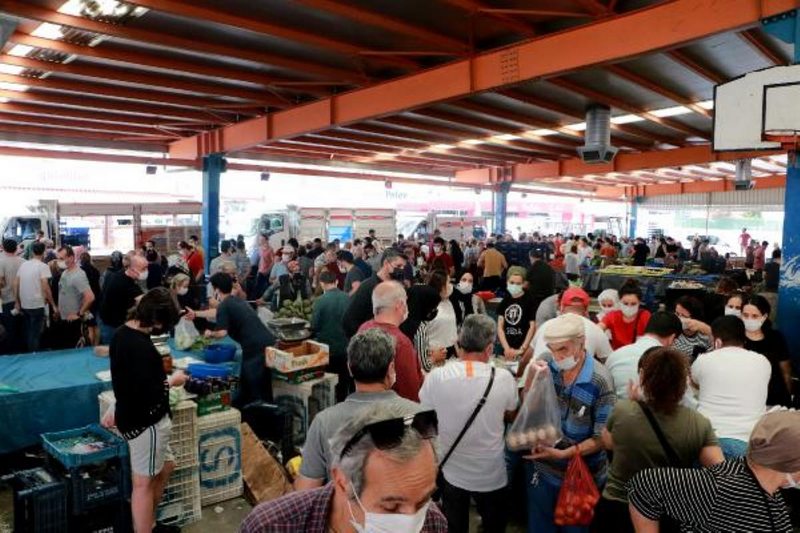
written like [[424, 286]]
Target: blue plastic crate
[[97, 485], [219, 353], [40, 502], [59, 445]]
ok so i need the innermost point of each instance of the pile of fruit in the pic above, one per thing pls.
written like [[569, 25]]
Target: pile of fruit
[[623, 270], [578, 509], [302, 309]]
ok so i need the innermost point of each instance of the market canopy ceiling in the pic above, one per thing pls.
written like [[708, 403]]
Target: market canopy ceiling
[[479, 91]]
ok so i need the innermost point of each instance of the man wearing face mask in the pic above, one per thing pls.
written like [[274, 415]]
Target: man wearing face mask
[[360, 310], [121, 291], [389, 303], [281, 268], [353, 276], [370, 360], [586, 398], [75, 297], [440, 254], [732, 385], [383, 474], [738, 495]]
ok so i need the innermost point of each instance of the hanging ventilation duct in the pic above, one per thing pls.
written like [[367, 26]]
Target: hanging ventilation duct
[[744, 175], [7, 27], [597, 148]]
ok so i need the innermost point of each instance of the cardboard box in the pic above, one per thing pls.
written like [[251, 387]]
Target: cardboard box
[[308, 354]]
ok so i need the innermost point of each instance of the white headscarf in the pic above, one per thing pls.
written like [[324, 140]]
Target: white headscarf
[[608, 294]]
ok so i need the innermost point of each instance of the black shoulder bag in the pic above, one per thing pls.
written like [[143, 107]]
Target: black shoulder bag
[[440, 475]]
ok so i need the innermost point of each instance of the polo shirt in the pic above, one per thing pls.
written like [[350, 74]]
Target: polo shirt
[[585, 408], [623, 364]]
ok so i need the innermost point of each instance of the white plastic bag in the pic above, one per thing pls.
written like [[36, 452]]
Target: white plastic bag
[[264, 315], [185, 334], [538, 422], [108, 420]]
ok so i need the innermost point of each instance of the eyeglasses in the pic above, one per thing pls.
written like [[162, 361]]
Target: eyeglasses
[[388, 434]]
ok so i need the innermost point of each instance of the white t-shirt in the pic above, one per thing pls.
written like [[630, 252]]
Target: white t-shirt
[[453, 391], [623, 364], [443, 330], [733, 386], [597, 344], [30, 274]]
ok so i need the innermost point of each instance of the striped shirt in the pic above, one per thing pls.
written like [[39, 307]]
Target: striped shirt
[[726, 497], [585, 407], [692, 346]]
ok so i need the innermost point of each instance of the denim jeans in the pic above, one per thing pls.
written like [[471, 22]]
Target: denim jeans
[[106, 333], [34, 327], [542, 498], [733, 448]]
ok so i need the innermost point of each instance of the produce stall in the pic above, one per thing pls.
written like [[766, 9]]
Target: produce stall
[[655, 282], [55, 391]]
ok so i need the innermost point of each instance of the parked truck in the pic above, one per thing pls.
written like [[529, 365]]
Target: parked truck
[[104, 227], [309, 223]]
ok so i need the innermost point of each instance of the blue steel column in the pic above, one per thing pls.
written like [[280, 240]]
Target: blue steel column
[[633, 218], [213, 166], [501, 207], [786, 28]]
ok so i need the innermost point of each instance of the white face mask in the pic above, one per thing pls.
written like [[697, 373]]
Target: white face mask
[[464, 287], [389, 522], [684, 322], [567, 363], [791, 483], [286, 258], [61, 264], [143, 276], [753, 324], [629, 310], [437, 249], [731, 311], [183, 291]]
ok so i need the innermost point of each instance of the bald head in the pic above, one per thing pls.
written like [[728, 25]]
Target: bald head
[[137, 267], [389, 303]]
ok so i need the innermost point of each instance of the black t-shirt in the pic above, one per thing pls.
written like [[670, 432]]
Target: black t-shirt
[[119, 295], [640, 253], [773, 347], [541, 280], [517, 313], [243, 325], [140, 384], [772, 274], [360, 308]]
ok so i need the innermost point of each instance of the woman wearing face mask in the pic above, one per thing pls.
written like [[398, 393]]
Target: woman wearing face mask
[[516, 322], [761, 338], [443, 329], [179, 288], [465, 300], [423, 301], [628, 322], [696, 336], [733, 305], [609, 301]]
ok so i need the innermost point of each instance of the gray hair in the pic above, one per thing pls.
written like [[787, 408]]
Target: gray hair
[[386, 294], [477, 333], [369, 355], [352, 465]]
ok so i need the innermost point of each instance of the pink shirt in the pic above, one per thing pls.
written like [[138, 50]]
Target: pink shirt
[[267, 260]]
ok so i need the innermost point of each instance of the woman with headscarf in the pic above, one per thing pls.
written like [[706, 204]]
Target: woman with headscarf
[[423, 301], [608, 301], [443, 331], [457, 255], [465, 301]]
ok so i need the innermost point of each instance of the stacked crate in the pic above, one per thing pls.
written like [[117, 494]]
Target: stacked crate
[[40, 502], [305, 400], [220, 453]]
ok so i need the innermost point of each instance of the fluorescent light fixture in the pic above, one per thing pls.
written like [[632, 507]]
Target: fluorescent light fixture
[[48, 31], [441, 147], [20, 50], [671, 111], [626, 119], [4, 100], [383, 157], [706, 104], [6, 86], [472, 142], [10, 69], [543, 132], [581, 126], [507, 137]]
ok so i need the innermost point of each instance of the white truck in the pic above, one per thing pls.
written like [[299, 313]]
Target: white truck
[[104, 227], [452, 227], [309, 223]]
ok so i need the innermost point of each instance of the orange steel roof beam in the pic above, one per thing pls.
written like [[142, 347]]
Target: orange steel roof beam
[[371, 18], [555, 107], [704, 71], [547, 13], [611, 101], [71, 133], [9, 118], [661, 26], [193, 11], [661, 189], [97, 104], [473, 6], [652, 86], [758, 44], [25, 10], [150, 60], [594, 7], [143, 78]]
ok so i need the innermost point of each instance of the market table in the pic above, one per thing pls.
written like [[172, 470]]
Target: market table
[[54, 391], [597, 281]]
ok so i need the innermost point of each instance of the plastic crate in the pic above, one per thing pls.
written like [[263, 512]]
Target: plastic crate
[[220, 450], [97, 485], [59, 445], [305, 400], [183, 440], [40, 502], [112, 518], [213, 403], [272, 423], [181, 504]]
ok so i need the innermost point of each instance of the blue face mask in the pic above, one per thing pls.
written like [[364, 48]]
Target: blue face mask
[[514, 290]]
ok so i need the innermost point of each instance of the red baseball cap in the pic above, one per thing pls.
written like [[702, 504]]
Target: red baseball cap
[[572, 294]]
